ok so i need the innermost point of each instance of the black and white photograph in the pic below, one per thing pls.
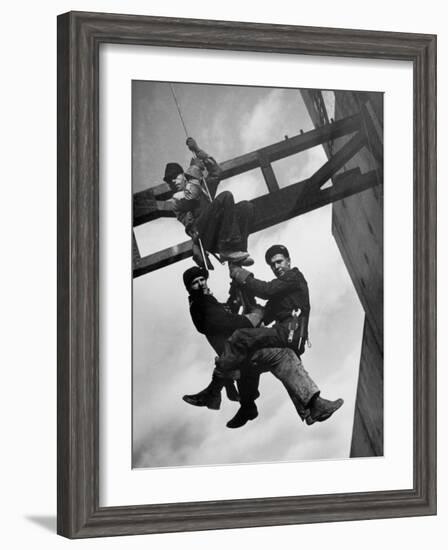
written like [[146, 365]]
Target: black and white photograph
[[257, 274], [221, 321]]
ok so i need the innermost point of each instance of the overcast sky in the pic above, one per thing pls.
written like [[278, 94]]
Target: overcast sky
[[170, 357]]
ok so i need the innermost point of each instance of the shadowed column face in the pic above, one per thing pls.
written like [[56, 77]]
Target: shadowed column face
[[357, 226]]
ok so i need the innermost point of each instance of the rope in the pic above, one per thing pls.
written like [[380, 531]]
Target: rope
[[204, 182], [178, 109], [204, 257], [201, 248]]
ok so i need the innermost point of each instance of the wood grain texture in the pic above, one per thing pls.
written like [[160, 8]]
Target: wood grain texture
[[79, 37]]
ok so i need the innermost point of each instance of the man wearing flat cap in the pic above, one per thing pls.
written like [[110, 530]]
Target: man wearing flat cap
[[221, 225], [217, 323]]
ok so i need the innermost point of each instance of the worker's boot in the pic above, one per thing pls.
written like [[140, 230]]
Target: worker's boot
[[244, 414], [236, 257], [321, 409], [246, 262], [209, 397], [231, 391]]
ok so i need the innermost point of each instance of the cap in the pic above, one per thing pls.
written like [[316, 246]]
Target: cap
[[172, 170], [275, 249], [192, 273]]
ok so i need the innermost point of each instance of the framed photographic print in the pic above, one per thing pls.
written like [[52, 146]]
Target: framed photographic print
[[246, 274]]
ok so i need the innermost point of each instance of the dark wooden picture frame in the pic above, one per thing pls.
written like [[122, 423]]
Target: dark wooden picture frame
[[79, 38]]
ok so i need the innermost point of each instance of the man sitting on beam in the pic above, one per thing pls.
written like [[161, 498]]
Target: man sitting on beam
[[217, 225]]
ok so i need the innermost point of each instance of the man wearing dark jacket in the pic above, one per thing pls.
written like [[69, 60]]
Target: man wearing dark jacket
[[288, 306], [217, 322]]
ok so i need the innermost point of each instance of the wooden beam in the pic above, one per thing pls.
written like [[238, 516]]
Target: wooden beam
[[249, 161], [274, 208]]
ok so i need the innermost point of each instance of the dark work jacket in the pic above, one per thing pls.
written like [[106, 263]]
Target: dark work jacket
[[283, 295], [215, 320]]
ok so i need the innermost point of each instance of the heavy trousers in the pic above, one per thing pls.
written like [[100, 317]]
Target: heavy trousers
[[246, 341], [224, 225], [288, 368]]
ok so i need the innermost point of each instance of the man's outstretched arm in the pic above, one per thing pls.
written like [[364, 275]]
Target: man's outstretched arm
[[219, 319], [213, 168], [266, 290]]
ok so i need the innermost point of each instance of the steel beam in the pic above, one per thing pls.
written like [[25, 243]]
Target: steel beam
[[249, 161], [163, 258], [274, 208], [336, 162], [146, 210], [291, 146], [268, 173], [316, 108]]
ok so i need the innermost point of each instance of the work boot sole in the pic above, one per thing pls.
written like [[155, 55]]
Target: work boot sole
[[234, 258], [246, 262], [310, 420], [192, 401]]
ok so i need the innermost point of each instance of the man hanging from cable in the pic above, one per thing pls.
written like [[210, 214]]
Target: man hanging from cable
[[218, 225], [215, 225]]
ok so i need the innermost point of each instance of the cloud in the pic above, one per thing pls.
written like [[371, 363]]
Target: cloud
[[258, 125]]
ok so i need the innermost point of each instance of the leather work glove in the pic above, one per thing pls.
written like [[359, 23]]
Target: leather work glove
[[239, 274], [195, 161], [192, 232], [192, 145]]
